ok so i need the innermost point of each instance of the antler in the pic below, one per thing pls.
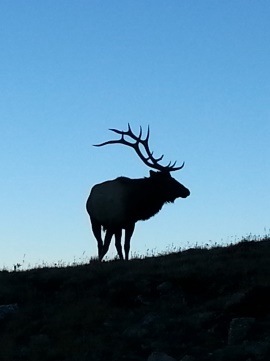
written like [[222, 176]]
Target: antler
[[149, 160]]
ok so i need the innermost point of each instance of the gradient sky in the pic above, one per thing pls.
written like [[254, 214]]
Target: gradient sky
[[198, 72]]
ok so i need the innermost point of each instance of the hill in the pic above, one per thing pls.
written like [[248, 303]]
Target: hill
[[199, 304]]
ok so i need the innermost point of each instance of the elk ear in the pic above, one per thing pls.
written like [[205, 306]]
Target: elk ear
[[152, 173]]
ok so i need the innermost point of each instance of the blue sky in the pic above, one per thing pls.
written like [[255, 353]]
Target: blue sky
[[196, 71]]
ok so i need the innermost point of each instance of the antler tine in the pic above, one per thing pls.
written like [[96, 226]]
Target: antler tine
[[148, 133], [173, 168], [170, 165], [108, 142], [140, 135], [157, 159], [116, 131], [122, 132]]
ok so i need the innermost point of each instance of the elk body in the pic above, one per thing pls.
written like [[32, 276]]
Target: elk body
[[118, 204]]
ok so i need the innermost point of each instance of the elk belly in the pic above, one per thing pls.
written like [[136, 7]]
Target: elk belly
[[106, 204]]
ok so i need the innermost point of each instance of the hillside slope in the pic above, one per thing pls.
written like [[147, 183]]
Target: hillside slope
[[198, 304]]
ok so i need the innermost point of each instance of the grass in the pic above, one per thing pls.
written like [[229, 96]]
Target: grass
[[178, 303]]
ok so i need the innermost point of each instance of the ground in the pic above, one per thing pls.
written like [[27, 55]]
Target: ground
[[208, 304]]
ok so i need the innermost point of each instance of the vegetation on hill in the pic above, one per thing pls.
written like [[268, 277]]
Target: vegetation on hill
[[199, 304]]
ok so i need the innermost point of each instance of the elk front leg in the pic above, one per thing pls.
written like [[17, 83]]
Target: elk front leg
[[118, 235]]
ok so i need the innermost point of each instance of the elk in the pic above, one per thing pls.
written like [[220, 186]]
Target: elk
[[116, 205]]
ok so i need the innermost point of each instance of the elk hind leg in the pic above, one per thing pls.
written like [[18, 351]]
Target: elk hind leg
[[107, 242], [128, 235], [96, 228]]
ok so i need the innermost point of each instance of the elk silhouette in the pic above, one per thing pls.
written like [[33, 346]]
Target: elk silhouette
[[118, 204]]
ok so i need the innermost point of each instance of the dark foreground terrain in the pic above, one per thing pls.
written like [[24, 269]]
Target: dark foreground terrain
[[194, 305]]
